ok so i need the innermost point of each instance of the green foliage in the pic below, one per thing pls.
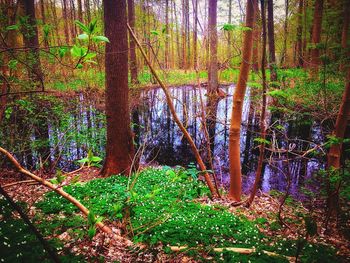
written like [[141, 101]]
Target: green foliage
[[91, 160]]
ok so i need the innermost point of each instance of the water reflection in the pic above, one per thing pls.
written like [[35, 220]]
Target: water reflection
[[76, 127]]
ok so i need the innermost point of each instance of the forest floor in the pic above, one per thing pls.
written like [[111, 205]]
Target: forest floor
[[168, 210]]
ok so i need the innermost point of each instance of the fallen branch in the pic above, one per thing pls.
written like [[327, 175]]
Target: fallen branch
[[239, 250], [19, 182], [64, 194]]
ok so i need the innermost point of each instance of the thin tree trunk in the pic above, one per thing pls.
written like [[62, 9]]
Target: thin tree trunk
[[195, 33], [119, 148], [256, 40], [271, 37], [167, 44], [212, 92], [299, 44], [263, 109], [238, 99], [285, 36], [344, 36], [87, 10], [80, 12], [229, 32], [132, 53], [31, 41], [65, 19], [316, 37]]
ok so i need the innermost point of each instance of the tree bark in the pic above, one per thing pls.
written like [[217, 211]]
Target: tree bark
[[238, 99], [132, 53], [167, 44], [256, 40], [119, 148], [195, 33], [316, 37], [299, 48], [334, 154], [80, 12], [212, 91], [259, 169], [285, 36], [31, 41], [271, 37], [344, 36], [65, 20]]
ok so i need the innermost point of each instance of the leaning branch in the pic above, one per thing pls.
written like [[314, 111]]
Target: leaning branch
[[62, 193], [175, 117]]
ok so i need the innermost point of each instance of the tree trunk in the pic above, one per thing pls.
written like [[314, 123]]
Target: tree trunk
[[238, 99], [30, 36], [212, 94], [344, 36], [65, 19], [195, 33], [167, 40], [316, 37], [256, 40], [80, 12], [285, 36], [229, 32], [119, 148], [299, 44], [133, 61], [259, 169], [334, 154], [271, 36], [87, 10]]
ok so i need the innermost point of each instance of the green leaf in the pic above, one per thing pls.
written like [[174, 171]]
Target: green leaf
[[92, 26], [98, 39], [91, 232], [82, 26], [12, 27], [96, 159], [76, 51], [75, 179], [84, 160], [83, 37], [90, 55], [262, 141], [153, 32], [12, 64], [79, 66], [62, 51]]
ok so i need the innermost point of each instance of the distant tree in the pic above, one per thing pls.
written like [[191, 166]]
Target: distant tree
[[119, 148], [345, 34], [236, 118], [132, 50], [31, 41], [316, 37], [299, 44], [271, 37]]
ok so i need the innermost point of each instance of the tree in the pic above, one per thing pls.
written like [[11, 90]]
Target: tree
[[236, 117], [31, 41], [119, 148], [334, 154], [299, 44], [316, 37], [212, 101], [132, 46], [344, 37], [271, 37], [259, 169], [256, 38]]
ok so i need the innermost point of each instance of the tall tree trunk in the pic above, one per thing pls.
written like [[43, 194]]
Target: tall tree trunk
[[65, 19], [195, 33], [238, 99], [87, 10], [271, 36], [299, 48], [31, 41], [167, 40], [334, 154], [344, 36], [256, 39], [259, 169], [133, 61], [285, 36], [316, 37], [119, 148], [80, 11], [229, 32], [42, 10], [212, 101]]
